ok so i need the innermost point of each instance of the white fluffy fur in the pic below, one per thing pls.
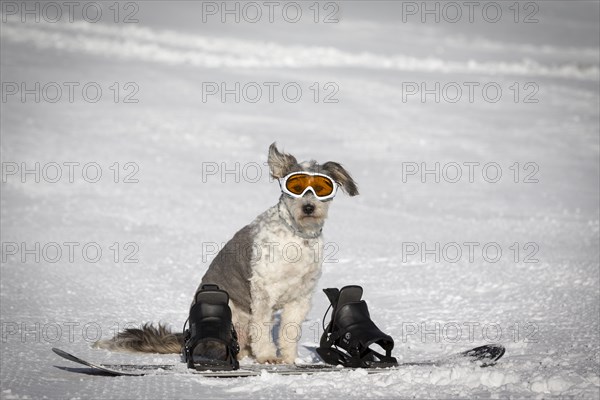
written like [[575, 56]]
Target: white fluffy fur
[[284, 277]]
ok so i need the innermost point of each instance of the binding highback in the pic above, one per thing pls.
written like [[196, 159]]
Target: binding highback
[[347, 338], [211, 341]]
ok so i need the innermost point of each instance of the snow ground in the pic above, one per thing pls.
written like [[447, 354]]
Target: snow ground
[[542, 303]]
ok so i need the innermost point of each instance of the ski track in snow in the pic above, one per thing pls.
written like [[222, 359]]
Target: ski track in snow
[[172, 48], [546, 313]]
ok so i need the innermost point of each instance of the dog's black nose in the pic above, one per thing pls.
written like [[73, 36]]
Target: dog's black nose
[[308, 209]]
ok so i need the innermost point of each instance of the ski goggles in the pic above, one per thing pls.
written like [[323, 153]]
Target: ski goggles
[[297, 184]]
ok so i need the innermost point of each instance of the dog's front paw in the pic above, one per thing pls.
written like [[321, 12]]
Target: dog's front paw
[[289, 359], [269, 360]]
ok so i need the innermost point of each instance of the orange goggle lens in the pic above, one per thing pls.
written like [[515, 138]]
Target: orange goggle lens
[[321, 185]]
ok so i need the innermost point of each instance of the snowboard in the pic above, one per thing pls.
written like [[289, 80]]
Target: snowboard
[[483, 356]]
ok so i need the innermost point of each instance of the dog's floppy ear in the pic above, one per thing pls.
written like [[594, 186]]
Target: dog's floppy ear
[[280, 164], [341, 177]]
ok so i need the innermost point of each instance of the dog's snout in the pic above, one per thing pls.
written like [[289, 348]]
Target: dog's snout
[[308, 209]]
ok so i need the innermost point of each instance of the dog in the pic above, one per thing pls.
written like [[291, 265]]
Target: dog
[[273, 264]]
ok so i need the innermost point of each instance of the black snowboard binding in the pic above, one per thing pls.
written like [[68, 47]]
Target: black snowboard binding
[[211, 342], [349, 335]]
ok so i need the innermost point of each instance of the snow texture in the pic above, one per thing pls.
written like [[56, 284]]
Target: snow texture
[[196, 175]]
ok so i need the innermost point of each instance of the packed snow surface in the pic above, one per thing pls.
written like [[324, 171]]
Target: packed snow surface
[[131, 151]]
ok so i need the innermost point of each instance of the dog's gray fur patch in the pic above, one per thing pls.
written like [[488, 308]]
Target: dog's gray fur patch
[[231, 268]]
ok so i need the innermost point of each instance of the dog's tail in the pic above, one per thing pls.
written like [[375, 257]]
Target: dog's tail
[[148, 339]]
